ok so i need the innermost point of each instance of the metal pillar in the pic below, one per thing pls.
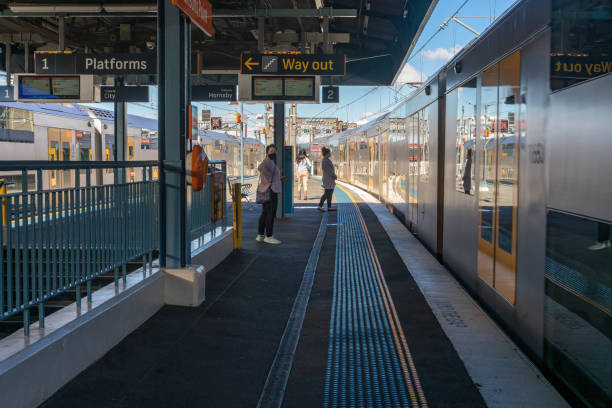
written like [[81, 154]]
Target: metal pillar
[[173, 53], [279, 141], [242, 135], [7, 60], [120, 135]]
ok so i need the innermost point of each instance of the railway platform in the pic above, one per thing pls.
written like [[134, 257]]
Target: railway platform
[[350, 310]]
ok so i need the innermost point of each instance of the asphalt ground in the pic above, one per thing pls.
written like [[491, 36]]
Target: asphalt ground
[[215, 355], [219, 354]]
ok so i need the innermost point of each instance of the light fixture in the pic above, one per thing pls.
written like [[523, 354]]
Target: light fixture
[[130, 8], [458, 67], [55, 8]]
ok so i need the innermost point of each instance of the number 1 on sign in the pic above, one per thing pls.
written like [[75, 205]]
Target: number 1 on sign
[[45, 63]]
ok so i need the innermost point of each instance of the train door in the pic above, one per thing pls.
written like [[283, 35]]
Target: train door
[[59, 149], [498, 173]]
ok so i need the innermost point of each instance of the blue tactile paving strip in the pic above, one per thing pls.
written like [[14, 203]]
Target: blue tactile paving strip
[[367, 365]]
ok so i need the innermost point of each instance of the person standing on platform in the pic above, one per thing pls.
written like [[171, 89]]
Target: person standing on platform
[[303, 169], [329, 180], [267, 194]]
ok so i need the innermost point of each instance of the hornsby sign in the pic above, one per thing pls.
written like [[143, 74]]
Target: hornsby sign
[[199, 11]]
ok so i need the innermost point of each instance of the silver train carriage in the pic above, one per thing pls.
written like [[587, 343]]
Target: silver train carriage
[[69, 132], [527, 229]]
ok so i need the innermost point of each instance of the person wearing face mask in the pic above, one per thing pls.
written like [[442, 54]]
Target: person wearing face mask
[[269, 179]]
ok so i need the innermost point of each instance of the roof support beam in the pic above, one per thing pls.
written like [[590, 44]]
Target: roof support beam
[[285, 13], [41, 11]]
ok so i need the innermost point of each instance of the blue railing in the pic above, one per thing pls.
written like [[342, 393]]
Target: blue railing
[[56, 240]]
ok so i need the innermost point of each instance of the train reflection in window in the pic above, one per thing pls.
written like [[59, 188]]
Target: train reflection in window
[[578, 308], [498, 173], [466, 137]]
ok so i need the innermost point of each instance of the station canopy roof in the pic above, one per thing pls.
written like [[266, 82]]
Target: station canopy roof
[[376, 36]]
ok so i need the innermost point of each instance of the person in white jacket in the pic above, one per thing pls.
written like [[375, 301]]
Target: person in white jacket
[[303, 170]]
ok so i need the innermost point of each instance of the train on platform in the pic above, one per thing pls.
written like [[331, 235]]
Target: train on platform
[[69, 132], [525, 223]]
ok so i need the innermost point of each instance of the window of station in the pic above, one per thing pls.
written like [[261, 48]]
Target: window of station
[[148, 139], [581, 41], [578, 304], [83, 145], [500, 105], [466, 137], [16, 125]]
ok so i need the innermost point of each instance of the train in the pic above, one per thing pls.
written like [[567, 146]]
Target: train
[[71, 132], [525, 224]]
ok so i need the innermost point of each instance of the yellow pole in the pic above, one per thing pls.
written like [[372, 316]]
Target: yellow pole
[[237, 207], [3, 191]]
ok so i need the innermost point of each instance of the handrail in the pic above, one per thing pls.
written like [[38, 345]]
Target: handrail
[[67, 165]]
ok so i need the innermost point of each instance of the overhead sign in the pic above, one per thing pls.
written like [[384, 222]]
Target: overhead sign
[[216, 123], [293, 64], [95, 64], [199, 11], [55, 88], [7, 93], [124, 94], [331, 94], [268, 88], [213, 93]]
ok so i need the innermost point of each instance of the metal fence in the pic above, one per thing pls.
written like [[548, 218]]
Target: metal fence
[[56, 240], [204, 220]]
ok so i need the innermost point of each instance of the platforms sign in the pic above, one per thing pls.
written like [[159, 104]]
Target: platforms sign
[[293, 64], [94, 64], [199, 11], [7, 93]]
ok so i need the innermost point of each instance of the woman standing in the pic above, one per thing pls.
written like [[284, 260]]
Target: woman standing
[[303, 168], [329, 180], [269, 180]]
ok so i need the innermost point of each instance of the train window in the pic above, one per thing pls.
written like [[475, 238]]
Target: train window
[[581, 41], [466, 137], [578, 304]]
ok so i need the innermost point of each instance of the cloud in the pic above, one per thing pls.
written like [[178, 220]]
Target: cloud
[[410, 74], [440, 54]]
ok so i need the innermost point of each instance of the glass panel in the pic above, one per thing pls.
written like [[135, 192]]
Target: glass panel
[[578, 305], [507, 169], [487, 149], [466, 137], [413, 171], [581, 39], [424, 139]]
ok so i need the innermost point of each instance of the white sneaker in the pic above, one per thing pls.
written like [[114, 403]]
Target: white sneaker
[[600, 245], [260, 238], [271, 240]]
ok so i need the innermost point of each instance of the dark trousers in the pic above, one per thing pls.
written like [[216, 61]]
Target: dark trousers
[[327, 195], [268, 212]]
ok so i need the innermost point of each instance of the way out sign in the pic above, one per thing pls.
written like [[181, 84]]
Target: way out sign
[[293, 64], [199, 12]]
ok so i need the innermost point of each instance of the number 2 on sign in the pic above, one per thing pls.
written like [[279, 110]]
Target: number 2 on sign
[[330, 94]]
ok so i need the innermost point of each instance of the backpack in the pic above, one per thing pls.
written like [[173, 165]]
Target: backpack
[[308, 167]]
